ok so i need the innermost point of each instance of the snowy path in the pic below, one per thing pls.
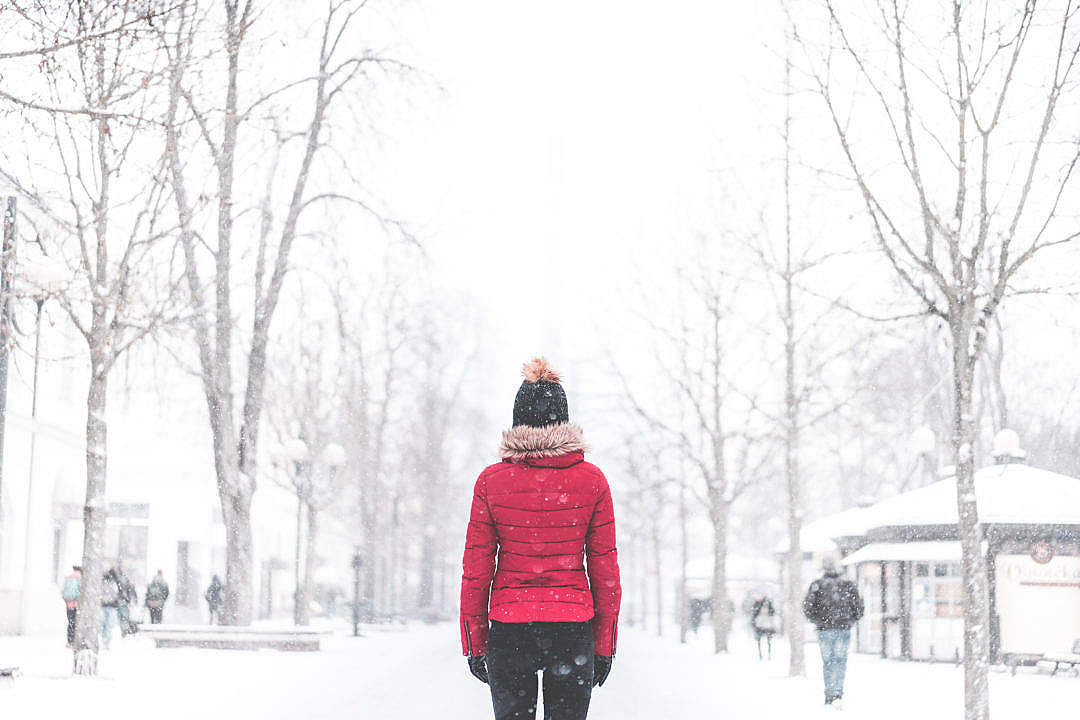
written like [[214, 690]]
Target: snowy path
[[417, 672]]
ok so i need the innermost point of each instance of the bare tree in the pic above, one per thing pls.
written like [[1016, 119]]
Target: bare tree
[[444, 420], [717, 439], [981, 167], [304, 402], [105, 222], [337, 68], [372, 334], [50, 27]]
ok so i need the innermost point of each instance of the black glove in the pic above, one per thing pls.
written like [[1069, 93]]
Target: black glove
[[478, 667], [601, 669]]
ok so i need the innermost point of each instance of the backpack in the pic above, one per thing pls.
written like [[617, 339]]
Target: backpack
[[835, 603], [110, 592], [70, 593]]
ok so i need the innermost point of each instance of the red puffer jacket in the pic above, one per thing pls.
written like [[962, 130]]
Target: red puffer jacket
[[548, 516]]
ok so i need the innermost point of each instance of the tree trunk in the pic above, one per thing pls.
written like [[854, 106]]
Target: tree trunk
[[368, 508], [797, 664], [88, 630], [309, 564], [721, 614], [392, 570], [425, 596], [656, 547], [976, 605], [239, 597], [683, 558]]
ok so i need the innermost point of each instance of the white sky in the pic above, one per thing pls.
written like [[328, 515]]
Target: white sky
[[568, 147]]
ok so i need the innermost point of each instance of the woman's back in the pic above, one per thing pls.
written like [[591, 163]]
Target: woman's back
[[546, 514]]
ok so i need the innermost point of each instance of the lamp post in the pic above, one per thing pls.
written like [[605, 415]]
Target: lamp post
[[925, 442], [295, 451], [295, 456], [38, 282], [357, 565]]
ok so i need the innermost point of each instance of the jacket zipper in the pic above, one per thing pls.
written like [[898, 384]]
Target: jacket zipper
[[468, 639]]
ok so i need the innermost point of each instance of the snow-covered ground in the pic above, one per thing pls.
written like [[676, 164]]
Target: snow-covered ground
[[417, 672]]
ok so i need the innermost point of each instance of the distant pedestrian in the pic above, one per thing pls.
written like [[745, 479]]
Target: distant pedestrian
[[763, 621], [70, 592], [699, 607], [833, 605], [110, 603], [128, 598], [157, 592], [215, 596]]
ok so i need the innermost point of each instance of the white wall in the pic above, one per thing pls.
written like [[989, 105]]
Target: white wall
[[1039, 604]]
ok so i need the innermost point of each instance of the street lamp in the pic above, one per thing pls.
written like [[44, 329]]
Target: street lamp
[[924, 443], [357, 565], [36, 281], [333, 456], [295, 453]]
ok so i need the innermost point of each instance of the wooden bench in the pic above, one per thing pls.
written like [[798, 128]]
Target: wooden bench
[[218, 637], [1015, 660], [1068, 661], [9, 673]]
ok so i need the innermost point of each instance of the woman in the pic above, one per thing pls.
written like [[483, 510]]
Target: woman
[[546, 516], [215, 596], [763, 621], [157, 593]]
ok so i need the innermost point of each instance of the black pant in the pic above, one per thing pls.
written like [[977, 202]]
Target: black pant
[[72, 614], [155, 615], [517, 651]]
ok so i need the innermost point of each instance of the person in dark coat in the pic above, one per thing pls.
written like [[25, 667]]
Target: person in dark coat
[[699, 608], [833, 604], [128, 597], [70, 592], [540, 588], [763, 621], [157, 592], [215, 596], [111, 592]]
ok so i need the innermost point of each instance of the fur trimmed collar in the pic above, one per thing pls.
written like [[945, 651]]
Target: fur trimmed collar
[[524, 442]]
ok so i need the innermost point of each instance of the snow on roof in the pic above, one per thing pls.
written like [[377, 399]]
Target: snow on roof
[[1011, 493], [876, 552], [1006, 494], [818, 536]]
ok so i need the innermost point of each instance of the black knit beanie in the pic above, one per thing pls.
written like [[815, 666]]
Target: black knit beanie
[[540, 400]]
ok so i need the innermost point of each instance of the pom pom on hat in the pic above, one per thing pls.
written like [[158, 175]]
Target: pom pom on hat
[[540, 369]]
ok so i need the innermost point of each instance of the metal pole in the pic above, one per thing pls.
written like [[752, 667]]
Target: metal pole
[[298, 596], [33, 446], [357, 563], [8, 251]]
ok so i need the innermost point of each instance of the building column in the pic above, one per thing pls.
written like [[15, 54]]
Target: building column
[[884, 608], [905, 610], [991, 589]]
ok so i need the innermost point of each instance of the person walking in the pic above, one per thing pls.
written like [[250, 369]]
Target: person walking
[[540, 587], [833, 604], [763, 622], [70, 592], [110, 602], [157, 592], [128, 597], [215, 595]]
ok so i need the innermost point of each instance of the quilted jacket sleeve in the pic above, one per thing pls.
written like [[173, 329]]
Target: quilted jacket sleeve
[[478, 571], [603, 567]]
